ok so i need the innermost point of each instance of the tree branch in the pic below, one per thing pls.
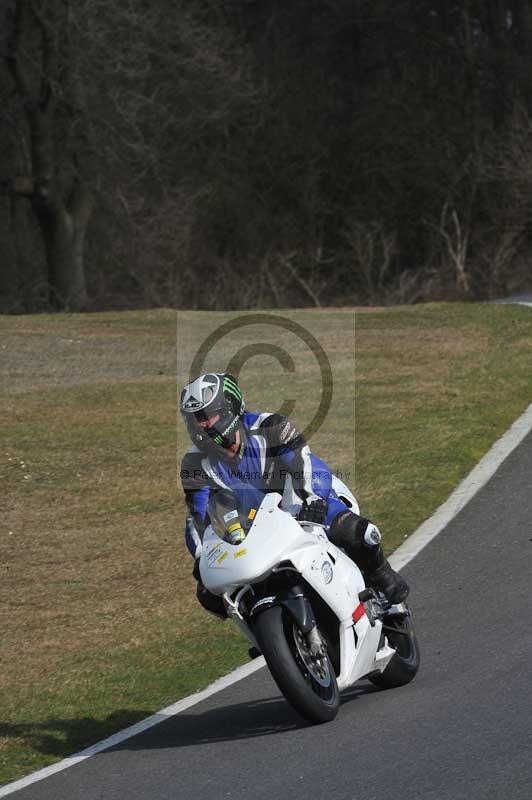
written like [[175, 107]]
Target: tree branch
[[286, 262]]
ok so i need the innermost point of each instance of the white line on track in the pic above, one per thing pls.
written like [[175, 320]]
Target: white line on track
[[467, 489]]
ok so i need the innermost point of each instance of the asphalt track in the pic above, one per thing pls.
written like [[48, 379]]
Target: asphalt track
[[462, 729]]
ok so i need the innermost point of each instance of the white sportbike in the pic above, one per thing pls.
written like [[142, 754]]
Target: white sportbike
[[303, 604]]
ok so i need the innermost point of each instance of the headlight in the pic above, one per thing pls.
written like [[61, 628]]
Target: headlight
[[327, 571]]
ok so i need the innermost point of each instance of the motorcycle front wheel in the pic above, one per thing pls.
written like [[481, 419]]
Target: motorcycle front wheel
[[307, 682]]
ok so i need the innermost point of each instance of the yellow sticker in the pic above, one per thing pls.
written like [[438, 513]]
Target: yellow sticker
[[222, 557], [240, 553], [252, 513], [234, 527]]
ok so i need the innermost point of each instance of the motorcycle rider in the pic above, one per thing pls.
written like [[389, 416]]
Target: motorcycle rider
[[231, 445]]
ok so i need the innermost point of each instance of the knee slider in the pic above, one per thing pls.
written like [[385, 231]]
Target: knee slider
[[372, 535]]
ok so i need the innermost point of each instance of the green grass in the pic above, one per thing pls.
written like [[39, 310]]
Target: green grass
[[100, 626]]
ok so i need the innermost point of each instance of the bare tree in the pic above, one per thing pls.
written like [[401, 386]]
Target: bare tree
[[372, 251], [456, 238], [54, 142]]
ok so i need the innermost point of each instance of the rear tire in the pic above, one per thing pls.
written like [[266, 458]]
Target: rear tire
[[403, 666], [314, 695]]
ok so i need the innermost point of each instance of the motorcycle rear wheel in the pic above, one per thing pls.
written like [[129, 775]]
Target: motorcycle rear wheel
[[403, 666], [308, 684]]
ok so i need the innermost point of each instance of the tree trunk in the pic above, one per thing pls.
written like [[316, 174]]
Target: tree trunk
[[64, 227], [60, 198]]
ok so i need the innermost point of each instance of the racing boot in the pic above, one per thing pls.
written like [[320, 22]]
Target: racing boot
[[383, 578]]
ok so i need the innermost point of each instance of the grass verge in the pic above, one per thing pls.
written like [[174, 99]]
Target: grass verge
[[99, 622]]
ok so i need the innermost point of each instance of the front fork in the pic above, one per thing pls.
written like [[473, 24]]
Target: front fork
[[298, 606], [295, 602]]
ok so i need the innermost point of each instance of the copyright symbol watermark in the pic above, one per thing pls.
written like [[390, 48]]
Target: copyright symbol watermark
[[279, 352]]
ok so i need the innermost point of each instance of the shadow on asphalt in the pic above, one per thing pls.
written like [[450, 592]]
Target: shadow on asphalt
[[264, 717]]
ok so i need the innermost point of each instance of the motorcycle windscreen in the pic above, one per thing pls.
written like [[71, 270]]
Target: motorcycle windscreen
[[231, 511]]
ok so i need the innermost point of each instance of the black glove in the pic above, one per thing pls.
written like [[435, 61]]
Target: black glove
[[313, 512]]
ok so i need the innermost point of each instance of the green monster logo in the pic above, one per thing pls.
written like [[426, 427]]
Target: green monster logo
[[231, 387]]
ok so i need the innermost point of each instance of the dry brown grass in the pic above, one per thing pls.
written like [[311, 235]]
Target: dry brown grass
[[89, 556]]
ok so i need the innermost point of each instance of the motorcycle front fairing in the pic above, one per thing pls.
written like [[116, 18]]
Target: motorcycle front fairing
[[273, 535]]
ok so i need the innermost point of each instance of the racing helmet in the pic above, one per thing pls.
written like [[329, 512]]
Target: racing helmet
[[212, 407]]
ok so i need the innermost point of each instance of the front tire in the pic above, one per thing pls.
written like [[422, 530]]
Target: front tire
[[403, 666], [310, 688]]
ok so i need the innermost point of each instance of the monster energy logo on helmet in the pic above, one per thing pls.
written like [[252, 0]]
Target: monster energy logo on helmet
[[232, 387]]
